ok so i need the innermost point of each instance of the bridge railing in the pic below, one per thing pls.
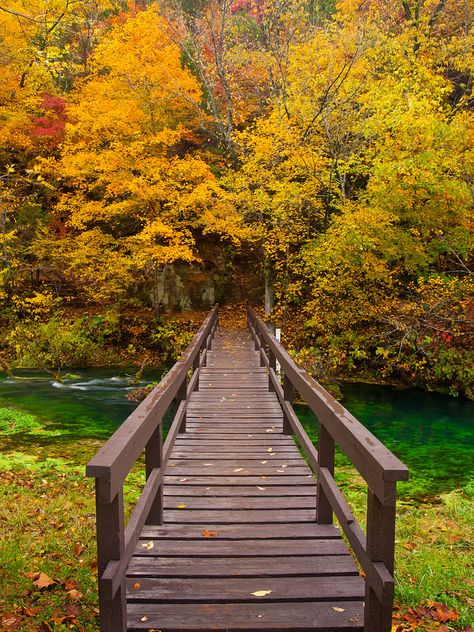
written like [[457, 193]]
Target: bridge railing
[[380, 469], [142, 430]]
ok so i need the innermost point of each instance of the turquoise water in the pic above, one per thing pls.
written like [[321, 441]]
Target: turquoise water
[[92, 405], [432, 434]]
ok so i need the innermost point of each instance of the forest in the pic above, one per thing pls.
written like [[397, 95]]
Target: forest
[[312, 159], [320, 150]]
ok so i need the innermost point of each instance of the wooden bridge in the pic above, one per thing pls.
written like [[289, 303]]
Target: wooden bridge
[[234, 528]]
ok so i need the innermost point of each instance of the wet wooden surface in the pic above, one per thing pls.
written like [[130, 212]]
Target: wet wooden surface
[[239, 518]]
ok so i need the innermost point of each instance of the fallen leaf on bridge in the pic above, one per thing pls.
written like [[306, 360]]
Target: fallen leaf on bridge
[[148, 545], [209, 534], [261, 593]]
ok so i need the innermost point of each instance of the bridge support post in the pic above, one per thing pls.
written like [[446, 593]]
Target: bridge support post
[[110, 546], [181, 396], [326, 449], [273, 364], [380, 548], [196, 364], [154, 459], [288, 394]]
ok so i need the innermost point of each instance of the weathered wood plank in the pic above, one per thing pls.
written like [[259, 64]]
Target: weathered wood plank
[[263, 480], [277, 491], [319, 565], [237, 502], [208, 547], [188, 590], [289, 531], [264, 617], [239, 516]]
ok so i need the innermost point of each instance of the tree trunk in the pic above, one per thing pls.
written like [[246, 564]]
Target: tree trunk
[[269, 291]]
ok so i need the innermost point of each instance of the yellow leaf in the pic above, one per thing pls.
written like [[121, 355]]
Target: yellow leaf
[[181, 506], [148, 546], [336, 609], [261, 593]]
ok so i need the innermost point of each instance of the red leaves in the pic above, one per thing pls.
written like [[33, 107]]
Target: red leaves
[[51, 126], [424, 616]]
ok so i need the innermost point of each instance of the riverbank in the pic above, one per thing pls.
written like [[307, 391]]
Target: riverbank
[[70, 338]]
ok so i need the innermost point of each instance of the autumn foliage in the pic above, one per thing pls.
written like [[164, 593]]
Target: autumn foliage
[[330, 144]]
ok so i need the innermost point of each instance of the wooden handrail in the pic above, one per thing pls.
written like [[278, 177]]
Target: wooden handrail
[[142, 430], [380, 468]]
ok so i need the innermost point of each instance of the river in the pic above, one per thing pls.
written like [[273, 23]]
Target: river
[[431, 433]]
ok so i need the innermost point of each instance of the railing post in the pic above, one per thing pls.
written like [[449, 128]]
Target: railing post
[[182, 395], [110, 546], [257, 338], [196, 368], [273, 365], [154, 459], [380, 548], [288, 394], [326, 449], [262, 349]]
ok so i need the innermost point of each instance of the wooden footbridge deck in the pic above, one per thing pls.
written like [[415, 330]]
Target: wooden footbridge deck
[[233, 530]]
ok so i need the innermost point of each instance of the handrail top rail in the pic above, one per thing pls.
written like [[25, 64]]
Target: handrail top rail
[[134, 432], [320, 402]]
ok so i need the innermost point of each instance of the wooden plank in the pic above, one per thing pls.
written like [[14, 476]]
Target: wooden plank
[[239, 516], [288, 531], [224, 441], [230, 452], [208, 547], [238, 502], [175, 590], [319, 565], [211, 479], [280, 491], [264, 617], [265, 459], [276, 466]]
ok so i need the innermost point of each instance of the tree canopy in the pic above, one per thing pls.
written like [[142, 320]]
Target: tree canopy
[[330, 143]]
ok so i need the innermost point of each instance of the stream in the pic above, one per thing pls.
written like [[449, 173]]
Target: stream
[[432, 434]]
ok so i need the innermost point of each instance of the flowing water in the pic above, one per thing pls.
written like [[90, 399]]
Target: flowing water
[[432, 434]]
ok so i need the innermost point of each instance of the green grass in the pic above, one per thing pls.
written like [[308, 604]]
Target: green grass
[[47, 525]]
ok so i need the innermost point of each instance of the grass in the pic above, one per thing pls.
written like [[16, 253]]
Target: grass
[[47, 526]]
